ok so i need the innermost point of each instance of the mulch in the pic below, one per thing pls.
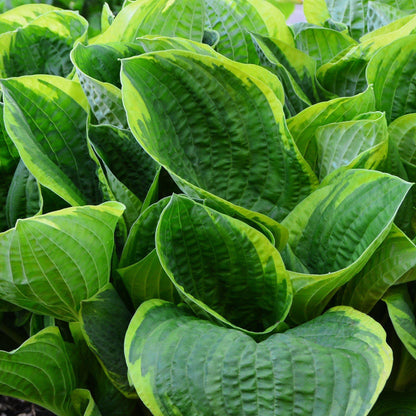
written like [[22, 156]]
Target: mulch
[[15, 407]]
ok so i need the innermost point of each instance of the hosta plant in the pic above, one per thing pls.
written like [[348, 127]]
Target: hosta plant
[[207, 212]]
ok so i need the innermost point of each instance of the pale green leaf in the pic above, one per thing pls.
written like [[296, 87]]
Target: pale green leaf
[[182, 18], [340, 143], [46, 118], [50, 263]]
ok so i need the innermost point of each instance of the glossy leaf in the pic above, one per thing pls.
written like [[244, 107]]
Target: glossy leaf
[[335, 231], [50, 263], [260, 169], [335, 365], [394, 404], [388, 266], [222, 266], [46, 118]]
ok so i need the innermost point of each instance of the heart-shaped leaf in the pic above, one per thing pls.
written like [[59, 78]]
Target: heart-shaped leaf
[[50, 263], [335, 365]]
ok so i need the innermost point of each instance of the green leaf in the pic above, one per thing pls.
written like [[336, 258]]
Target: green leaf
[[260, 169], [222, 266], [402, 132], [146, 280], [402, 316], [234, 19], [141, 239], [54, 261], [295, 70], [84, 404], [395, 257], [40, 371], [340, 143], [98, 70], [322, 44], [185, 18], [335, 365], [24, 198], [124, 156], [42, 46], [335, 231], [46, 118], [22, 15], [303, 126], [390, 71], [104, 320]]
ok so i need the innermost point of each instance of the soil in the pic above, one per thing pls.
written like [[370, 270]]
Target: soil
[[15, 407]]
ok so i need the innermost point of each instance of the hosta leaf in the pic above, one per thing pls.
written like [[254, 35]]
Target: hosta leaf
[[98, 70], [390, 71], [223, 266], [402, 131], [22, 15], [401, 313], [340, 143], [24, 198], [335, 365], [146, 280], [233, 19], [46, 118], [260, 169], [298, 64], [394, 404], [84, 404], [391, 261], [50, 263], [141, 239], [335, 231], [40, 371], [322, 44], [104, 320], [380, 14], [304, 125], [121, 152], [43, 46], [185, 18], [107, 17]]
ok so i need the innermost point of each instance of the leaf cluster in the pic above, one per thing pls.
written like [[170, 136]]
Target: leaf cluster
[[205, 211]]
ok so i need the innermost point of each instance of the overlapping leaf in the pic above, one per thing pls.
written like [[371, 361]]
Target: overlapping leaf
[[50, 263], [392, 263], [222, 266], [200, 124], [334, 365], [335, 231], [42, 46], [46, 118]]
